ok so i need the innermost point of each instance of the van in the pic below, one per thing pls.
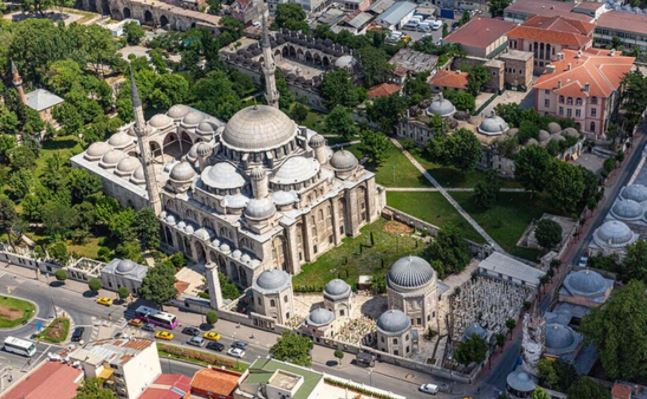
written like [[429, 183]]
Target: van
[[424, 27], [431, 389]]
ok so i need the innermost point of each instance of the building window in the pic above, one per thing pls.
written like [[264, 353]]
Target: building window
[[382, 339], [592, 126], [561, 99], [408, 349], [569, 112], [285, 298], [342, 312], [418, 320], [259, 300], [578, 113], [395, 341], [578, 101], [569, 101], [272, 302], [546, 91], [546, 103], [395, 352], [594, 100], [594, 112], [561, 111]]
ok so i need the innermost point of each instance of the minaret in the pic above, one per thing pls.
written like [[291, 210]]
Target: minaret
[[269, 67], [17, 83], [144, 148]]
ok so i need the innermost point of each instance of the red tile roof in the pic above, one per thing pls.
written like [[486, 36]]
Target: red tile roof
[[216, 381], [383, 90], [620, 391], [601, 70], [623, 21], [479, 32], [558, 30], [48, 381], [451, 79], [546, 8], [168, 386]]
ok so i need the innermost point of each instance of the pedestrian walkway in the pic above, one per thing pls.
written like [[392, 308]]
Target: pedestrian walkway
[[448, 189], [448, 197]]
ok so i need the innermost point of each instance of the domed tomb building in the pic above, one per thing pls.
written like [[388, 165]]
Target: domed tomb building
[[394, 333], [272, 295], [256, 193], [338, 298]]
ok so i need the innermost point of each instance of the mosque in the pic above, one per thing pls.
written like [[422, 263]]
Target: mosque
[[258, 192]]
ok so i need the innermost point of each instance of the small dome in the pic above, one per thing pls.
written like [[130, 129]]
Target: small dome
[[257, 174], [520, 381], [181, 225], [96, 150], [554, 128], [585, 283], [559, 337], [613, 233], [182, 172], [225, 248], [272, 280], [236, 254], [128, 165], [203, 234], [192, 155], [345, 61], [320, 317], [203, 150], [474, 329], [543, 135], [493, 125], [259, 127], [260, 209], [571, 132], [531, 141], [160, 121], [120, 140], [636, 192], [282, 198], [189, 229], [222, 175], [295, 170], [170, 219], [410, 272], [393, 322], [192, 119], [343, 160], [317, 141], [205, 128], [138, 176], [557, 137], [627, 210], [125, 266], [178, 111], [337, 289], [441, 107], [111, 158]]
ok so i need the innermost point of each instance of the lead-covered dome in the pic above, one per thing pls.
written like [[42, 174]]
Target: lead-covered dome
[[96, 150], [345, 61], [614, 233], [493, 125], [627, 210], [636, 192], [295, 170], [222, 175], [120, 140], [272, 280], [317, 141], [441, 107], [260, 209], [560, 338], [410, 272], [111, 158], [393, 322], [138, 176], [127, 166], [160, 121], [257, 128], [125, 266], [585, 283], [182, 172], [343, 160], [337, 289], [520, 381], [474, 329], [192, 119], [320, 317], [178, 111]]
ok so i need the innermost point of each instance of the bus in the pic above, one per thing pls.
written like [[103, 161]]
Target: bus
[[157, 317], [19, 346]]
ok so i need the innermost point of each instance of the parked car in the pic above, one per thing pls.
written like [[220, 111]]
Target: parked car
[[583, 262], [215, 346], [431, 389], [136, 322], [196, 341], [239, 344], [211, 336], [105, 301], [78, 334], [236, 352], [165, 335], [437, 24], [148, 327], [192, 331]]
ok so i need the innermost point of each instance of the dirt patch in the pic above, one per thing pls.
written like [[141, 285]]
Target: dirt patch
[[9, 313], [395, 227]]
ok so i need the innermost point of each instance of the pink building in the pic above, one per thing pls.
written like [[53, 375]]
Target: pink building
[[583, 86]]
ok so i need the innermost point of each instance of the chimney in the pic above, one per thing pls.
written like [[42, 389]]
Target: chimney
[[559, 84], [550, 68], [612, 52], [579, 54], [569, 66], [586, 87]]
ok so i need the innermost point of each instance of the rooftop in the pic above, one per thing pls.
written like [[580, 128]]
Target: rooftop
[[479, 32], [396, 12], [168, 386], [262, 370], [508, 266], [516, 55], [216, 381], [383, 90], [47, 381], [564, 31], [41, 99], [623, 21], [451, 79], [602, 70], [546, 8], [114, 351], [414, 61]]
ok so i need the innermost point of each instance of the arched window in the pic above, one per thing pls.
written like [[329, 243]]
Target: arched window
[[593, 126], [272, 302]]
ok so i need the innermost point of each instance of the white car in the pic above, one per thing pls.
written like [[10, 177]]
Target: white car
[[584, 260], [236, 352], [437, 24], [431, 389]]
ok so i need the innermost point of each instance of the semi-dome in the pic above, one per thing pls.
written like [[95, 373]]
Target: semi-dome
[[282, 198], [192, 119], [235, 201], [257, 128], [138, 176], [320, 317], [410, 272], [636, 192], [182, 172], [393, 322], [111, 158], [554, 128], [614, 233], [474, 329], [559, 337], [128, 165], [441, 107], [272, 280], [260, 209], [222, 175], [317, 141], [96, 150], [627, 210], [585, 283], [125, 266], [178, 111], [520, 381], [295, 170], [160, 121], [493, 125], [120, 140], [337, 289], [343, 160]]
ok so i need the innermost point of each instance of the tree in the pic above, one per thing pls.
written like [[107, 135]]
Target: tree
[[339, 354], [291, 16], [299, 112], [159, 284], [9, 122], [510, 324], [148, 228], [618, 329], [20, 183], [462, 100], [61, 275], [634, 263], [58, 251], [37, 6], [375, 145], [215, 95], [531, 168], [94, 284], [375, 64], [450, 249], [292, 348], [500, 340], [587, 388], [286, 98], [92, 388], [133, 32], [497, 7], [548, 233], [8, 214], [539, 393], [58, 217], [82, 184], [340, 121], [337, 88], [474, 349], [387, 111], [68, 117], [465, 18], [565, 185], [477, 77], [486, 191], [460, 149], [212, 317], [123, 293]]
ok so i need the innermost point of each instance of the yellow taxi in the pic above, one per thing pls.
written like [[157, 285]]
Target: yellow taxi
[[165, 335], [104, 301], [136, 322], [211, 336]]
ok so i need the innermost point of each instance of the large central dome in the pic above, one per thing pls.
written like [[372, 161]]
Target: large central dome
[[259, 127]]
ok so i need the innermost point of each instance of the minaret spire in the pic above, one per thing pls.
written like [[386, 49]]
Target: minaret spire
[[17, 82], [144, 148], [269, 67]]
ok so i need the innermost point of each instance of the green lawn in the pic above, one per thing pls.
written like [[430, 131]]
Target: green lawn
[[508, 218], [57, 331], [15, 312], [355, 256], [433, 208], [315, 121]]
